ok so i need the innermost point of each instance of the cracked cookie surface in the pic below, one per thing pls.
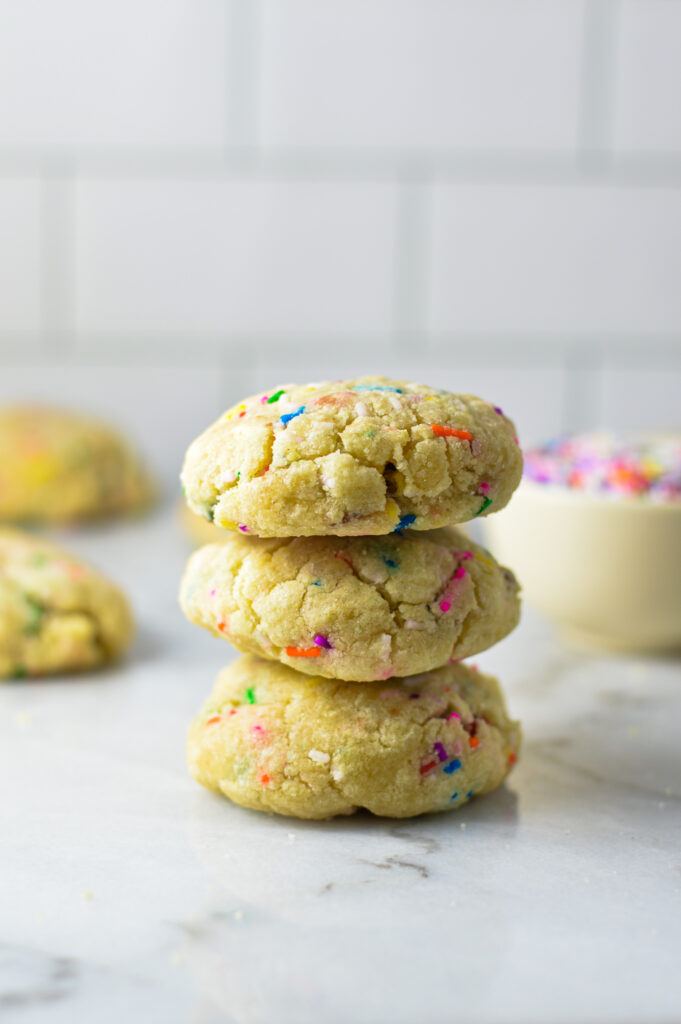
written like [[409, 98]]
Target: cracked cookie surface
[[56, 614], [272, 739], [354, 608], [57, 466], [348, 458]]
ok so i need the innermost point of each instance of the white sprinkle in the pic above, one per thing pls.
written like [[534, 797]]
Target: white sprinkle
[[318, 755], [228, 477], [337, 775], [395, 402], [328, 482], [414, 624], [323, 423], [361, 409]]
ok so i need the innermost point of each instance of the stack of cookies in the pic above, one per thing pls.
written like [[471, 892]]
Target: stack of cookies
[[355, 600]]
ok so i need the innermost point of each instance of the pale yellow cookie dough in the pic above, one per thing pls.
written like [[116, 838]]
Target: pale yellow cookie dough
[[59, 466], [56, 614], [364, 456], [353, 608], [275, 740]]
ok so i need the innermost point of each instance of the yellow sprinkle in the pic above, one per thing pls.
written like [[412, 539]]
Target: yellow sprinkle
[[485, 561]]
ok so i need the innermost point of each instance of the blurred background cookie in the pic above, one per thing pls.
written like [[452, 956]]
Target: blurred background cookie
[[60, 466], [56, 614]]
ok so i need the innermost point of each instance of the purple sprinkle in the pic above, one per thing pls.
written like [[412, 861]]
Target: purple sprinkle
[[414, 696], [244, 529], [498, 410], [440, 751], [322, 641]]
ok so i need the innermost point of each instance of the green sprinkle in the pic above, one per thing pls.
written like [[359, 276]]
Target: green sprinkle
[[370, 433], [485, 504], [275, 397], [238, 474], [250, 695], [36, 612], [19, 672]]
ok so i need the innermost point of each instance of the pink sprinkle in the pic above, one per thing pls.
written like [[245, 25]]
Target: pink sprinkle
[[212, 593], [263, 399], [440, 751], [460, 573], [322, 641], [484, 488], [256, 728], [461, 556], [445, 606], [453, 715]]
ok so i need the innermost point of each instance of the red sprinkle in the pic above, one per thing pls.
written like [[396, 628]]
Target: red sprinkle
[[303, 652], [427, 767], [512, 757], [441, 431]]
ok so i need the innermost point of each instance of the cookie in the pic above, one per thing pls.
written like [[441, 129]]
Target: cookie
[[356, 457], [57, 466], [353, 608], [56, 614], [275, 740]]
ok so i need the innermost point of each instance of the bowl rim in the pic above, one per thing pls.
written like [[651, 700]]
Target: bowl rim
[[551, 492]]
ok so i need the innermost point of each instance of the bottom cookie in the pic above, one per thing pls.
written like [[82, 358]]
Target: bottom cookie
[[273, 739]]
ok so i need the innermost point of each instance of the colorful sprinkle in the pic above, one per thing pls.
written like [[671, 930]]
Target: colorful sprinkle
[[303, 652], [222, 626], [322, 641], [275, 397], [405, 521], [473, 741], [391, 563], [499, 411], [486, 504], [427, 767], [453, 766], [440, 751], [483, 488], [512, 757], [250, 695], [288, 416], [372, 387], [264, 779], [455, 796], [453, 715], [214, 719], [244, 529], [441, 431]]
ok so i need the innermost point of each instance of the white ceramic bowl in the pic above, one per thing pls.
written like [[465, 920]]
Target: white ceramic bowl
[[607, 570]]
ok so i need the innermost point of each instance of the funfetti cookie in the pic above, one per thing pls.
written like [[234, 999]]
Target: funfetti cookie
[[56, 614], [353, 608], [59, 466], [275, 740], [356, 457]]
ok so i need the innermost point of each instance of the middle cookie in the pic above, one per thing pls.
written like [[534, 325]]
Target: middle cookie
[[357, 608]]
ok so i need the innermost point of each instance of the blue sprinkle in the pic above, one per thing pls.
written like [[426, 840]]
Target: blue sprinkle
[[288, 416], [404, 522], [317, 583], [453, 766], [373, 387], [455, 797], [469, 794], [391, 563]]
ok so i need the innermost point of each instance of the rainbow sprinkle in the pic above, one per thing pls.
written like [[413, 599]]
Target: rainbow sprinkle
[[647, 466], [322, 641], [485, 504], [275, 397], [288, 416], [405, 521], [250, 695], [441, 431], [453, 766]]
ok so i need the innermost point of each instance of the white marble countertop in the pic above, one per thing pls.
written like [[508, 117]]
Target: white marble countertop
[[128, 892]]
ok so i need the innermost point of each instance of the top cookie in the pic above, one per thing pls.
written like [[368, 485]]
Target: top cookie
[[58, 466], [350, 458]]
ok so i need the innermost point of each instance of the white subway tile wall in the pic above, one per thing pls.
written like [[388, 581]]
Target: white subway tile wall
[[199, 198]]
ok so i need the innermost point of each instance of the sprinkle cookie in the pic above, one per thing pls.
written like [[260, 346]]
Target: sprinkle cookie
[[356, 457], [56, 466], [275, 740], [355, 608], [56, 614]]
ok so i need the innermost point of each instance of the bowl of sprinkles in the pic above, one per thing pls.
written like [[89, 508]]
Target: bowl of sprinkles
[[595, 534]]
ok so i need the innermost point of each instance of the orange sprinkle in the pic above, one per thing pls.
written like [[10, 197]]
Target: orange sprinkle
[[222, 626], [213, 720], [441, 431], [264, 779], [473, 741], [303, 652], [512, 757]]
